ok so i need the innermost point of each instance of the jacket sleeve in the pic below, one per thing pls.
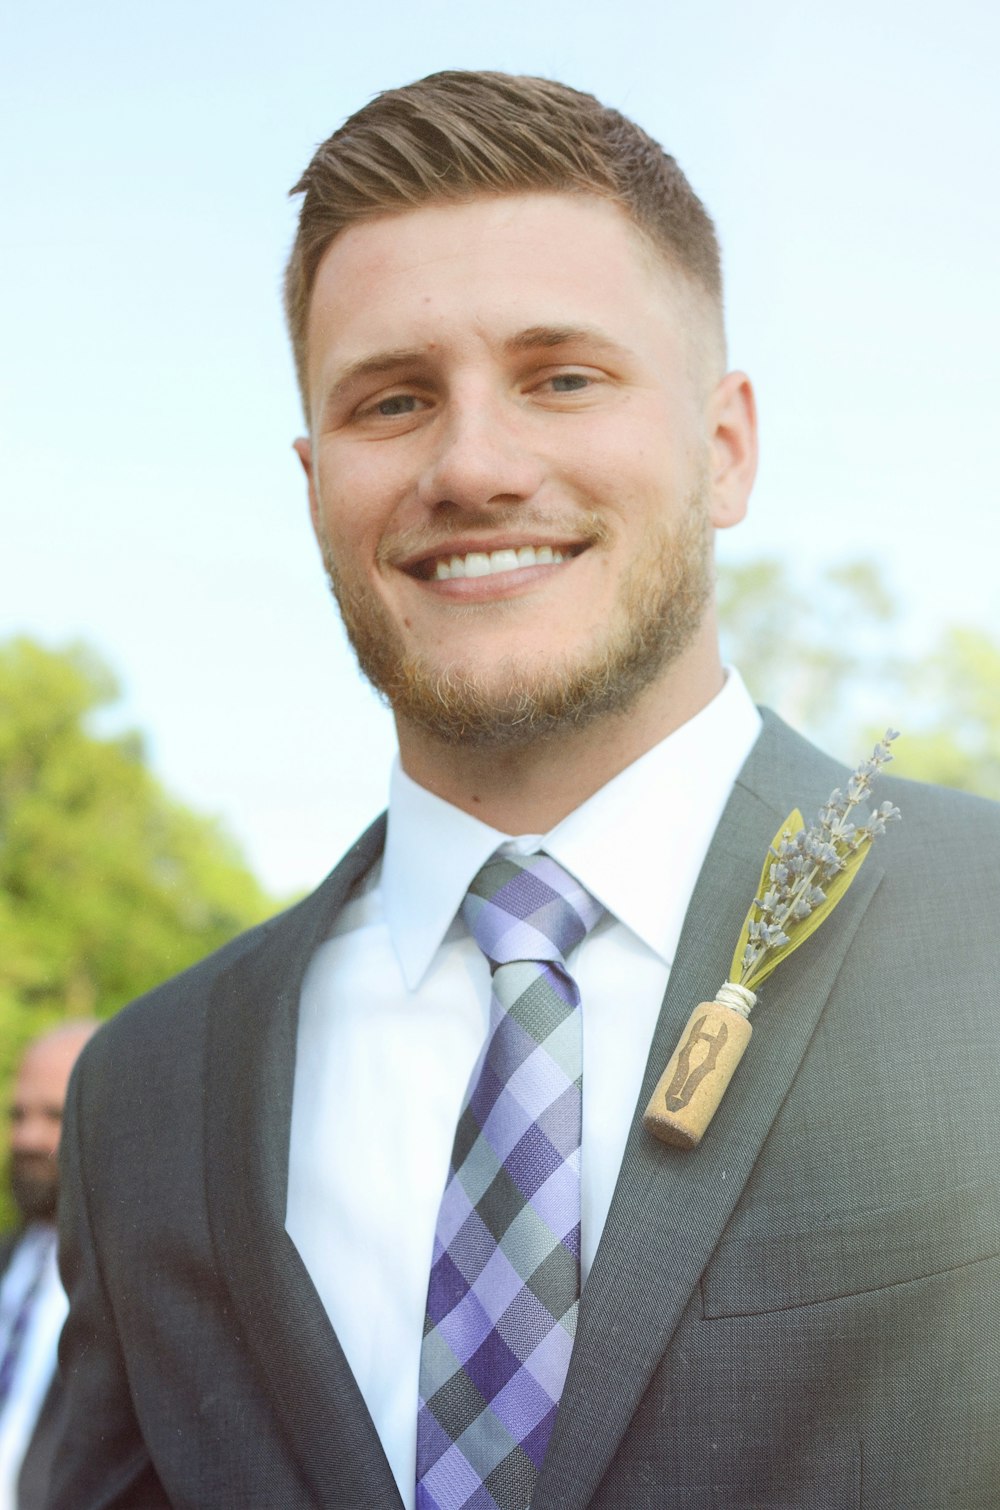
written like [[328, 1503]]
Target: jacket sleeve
[[102, 1462]]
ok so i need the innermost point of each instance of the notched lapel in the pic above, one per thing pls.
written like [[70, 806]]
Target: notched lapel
[[671, 1206], [249, 1079]]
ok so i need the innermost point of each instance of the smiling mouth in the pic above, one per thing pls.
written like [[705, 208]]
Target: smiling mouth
[[446, 567], [483, 564]]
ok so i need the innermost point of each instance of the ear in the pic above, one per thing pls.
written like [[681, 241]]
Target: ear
[[732, 431], [303, 450]]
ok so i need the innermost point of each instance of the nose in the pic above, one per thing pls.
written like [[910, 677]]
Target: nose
[[482, 457], [35, 1133]]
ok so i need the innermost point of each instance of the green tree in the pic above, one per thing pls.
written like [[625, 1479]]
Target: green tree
[[813, 651], [107, 884], [953, 717], [825, 654]]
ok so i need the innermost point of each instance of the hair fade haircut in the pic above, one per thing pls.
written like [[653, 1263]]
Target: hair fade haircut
[[457, 136]]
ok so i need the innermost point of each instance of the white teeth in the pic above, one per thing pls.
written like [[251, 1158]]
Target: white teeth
[[479, 564]]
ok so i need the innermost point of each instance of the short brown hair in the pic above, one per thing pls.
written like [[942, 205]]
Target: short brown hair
[[457, 136]]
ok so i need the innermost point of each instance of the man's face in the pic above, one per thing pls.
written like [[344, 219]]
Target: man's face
[[511, 465], [35, 1125]]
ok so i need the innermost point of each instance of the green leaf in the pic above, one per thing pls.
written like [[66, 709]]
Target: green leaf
[[791, 826]]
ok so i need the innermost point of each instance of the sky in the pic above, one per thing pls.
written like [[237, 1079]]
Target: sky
[[150, 501]]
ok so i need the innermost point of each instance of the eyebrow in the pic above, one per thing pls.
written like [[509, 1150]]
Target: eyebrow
[[374, 366], [536, 336]]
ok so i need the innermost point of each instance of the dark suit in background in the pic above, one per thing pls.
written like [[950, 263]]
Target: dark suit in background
[[804, 1312]]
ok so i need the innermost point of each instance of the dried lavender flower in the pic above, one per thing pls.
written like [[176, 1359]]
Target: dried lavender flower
[[810, 868]]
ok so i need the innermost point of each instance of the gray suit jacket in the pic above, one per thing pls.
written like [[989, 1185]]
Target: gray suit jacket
[[804, 1312]]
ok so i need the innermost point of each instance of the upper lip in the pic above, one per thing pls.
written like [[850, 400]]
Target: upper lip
[[426, 559]]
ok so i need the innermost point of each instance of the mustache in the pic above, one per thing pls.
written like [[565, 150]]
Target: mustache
[[430, 540], [29, 1161]]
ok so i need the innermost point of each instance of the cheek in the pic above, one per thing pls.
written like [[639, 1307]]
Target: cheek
[[636, 459], [358, 495], [345, 512]]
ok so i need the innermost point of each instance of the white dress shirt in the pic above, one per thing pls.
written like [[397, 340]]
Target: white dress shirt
[[36, 1355], [394, 1011]]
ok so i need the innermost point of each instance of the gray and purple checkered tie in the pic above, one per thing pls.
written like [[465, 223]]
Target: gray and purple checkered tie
[[505, 1279]]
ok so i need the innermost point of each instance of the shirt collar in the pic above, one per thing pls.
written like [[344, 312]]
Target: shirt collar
[[637, 844], [432, 852]]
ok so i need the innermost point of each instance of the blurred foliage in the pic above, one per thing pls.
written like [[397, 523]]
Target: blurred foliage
[[830, 655], [107, 884], [954, 714]]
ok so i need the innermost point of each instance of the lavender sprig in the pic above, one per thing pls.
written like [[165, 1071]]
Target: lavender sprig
[[810, 868]]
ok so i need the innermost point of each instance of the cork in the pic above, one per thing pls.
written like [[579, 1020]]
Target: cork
[[695, 1081]]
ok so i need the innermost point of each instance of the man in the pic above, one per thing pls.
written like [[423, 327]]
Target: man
[[32, 1301], [348, 1274]]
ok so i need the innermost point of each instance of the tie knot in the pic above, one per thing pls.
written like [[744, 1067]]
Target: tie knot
[[526, 907]]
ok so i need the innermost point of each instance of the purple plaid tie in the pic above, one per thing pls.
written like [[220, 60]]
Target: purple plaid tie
[[505, 1279]]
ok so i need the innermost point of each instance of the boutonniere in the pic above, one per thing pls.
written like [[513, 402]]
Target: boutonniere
[[805, 874]]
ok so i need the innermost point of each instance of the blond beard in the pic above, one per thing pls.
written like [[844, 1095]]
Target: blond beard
[[660, 606]]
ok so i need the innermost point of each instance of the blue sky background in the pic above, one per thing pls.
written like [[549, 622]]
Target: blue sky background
[[150, 500]]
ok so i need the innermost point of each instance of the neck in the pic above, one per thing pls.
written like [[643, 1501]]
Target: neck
[[528, 789]]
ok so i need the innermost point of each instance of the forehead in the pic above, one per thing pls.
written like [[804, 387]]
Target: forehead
[[536, 257], [45, 1071]]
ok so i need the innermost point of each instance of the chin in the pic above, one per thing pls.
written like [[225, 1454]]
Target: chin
[[536, 695]]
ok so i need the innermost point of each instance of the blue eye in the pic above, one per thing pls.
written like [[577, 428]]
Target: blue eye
[[569, 382], [397, 403]]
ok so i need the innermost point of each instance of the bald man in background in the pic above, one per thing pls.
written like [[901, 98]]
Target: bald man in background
[[32, 1300]]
